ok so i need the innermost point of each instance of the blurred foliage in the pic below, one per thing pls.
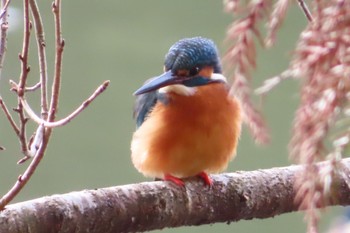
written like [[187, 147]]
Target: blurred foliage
[[125, 42]]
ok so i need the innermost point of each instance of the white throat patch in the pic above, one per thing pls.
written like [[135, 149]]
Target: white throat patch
[[178, 89], [218, 76]]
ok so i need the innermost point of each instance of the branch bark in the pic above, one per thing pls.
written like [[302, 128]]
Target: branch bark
[[156, 205]]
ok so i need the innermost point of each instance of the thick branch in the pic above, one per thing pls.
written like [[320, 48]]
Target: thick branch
[[156, 205]]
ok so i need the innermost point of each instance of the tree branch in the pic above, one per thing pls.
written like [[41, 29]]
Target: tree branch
[[156, 205]]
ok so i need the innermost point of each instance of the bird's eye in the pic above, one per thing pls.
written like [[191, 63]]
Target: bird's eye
[[194, 71]]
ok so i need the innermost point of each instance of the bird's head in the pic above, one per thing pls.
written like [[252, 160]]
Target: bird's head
[[190, 62]]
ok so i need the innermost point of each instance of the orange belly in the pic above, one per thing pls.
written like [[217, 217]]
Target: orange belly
[[189, 134]]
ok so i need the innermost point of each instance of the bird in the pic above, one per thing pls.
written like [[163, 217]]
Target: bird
[[188, 123]]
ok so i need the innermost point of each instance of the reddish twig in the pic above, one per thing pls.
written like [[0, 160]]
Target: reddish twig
[[33, 88], [23, 78], [3, 43], [305, 9], [15, 87], [5, 5], [23, 179], [20, 89], [25, 50], [22, 129], [3, 32], [40, 38], [70, 117], [39, 141], [9, 117], [56, 7]]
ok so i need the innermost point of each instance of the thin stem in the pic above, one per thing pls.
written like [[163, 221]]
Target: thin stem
[[9, 117], [25, 50], [56, 8], [23, 179], [40, 141], [22, 129], [305, 9], [23, 78], [33, 88], [5, 5], [3, 45], [70, 117], [3, 32], [15, 88], [40, 36]]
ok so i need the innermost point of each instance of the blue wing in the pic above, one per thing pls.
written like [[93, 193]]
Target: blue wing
[[143, 106], [145, 103]]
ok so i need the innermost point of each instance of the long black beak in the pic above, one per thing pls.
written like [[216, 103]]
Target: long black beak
[[165, 79]]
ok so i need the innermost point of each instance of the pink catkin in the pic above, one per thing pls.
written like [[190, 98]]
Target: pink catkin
[[322, 62], [240, 59]]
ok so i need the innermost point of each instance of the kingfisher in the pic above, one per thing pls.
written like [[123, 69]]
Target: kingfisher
[[187, 122]]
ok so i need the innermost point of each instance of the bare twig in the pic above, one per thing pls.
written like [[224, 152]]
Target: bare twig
[[70, 117], [9, 117], [56, 8], [22, 129], [23, 78], [20, 89], [3, 44], [33, 88], [233, 197], [3, 32], [34, 144], [23, 179], [5, 4], [305, 9], [25, 50], [15, 87], [39, 141], [40, 37]]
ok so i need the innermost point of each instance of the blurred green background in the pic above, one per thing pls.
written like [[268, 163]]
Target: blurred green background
[[125, 42]]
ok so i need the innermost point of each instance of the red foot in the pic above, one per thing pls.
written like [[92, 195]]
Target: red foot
[[174, 179], [205, 178]]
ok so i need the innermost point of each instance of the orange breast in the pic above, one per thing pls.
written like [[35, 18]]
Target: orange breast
[[189, 134]]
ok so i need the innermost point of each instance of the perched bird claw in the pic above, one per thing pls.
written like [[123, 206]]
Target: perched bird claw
[[175, 180], [207, 180]]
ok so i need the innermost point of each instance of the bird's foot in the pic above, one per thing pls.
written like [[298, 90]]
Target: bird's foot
[[207, 180], [174, 179]]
